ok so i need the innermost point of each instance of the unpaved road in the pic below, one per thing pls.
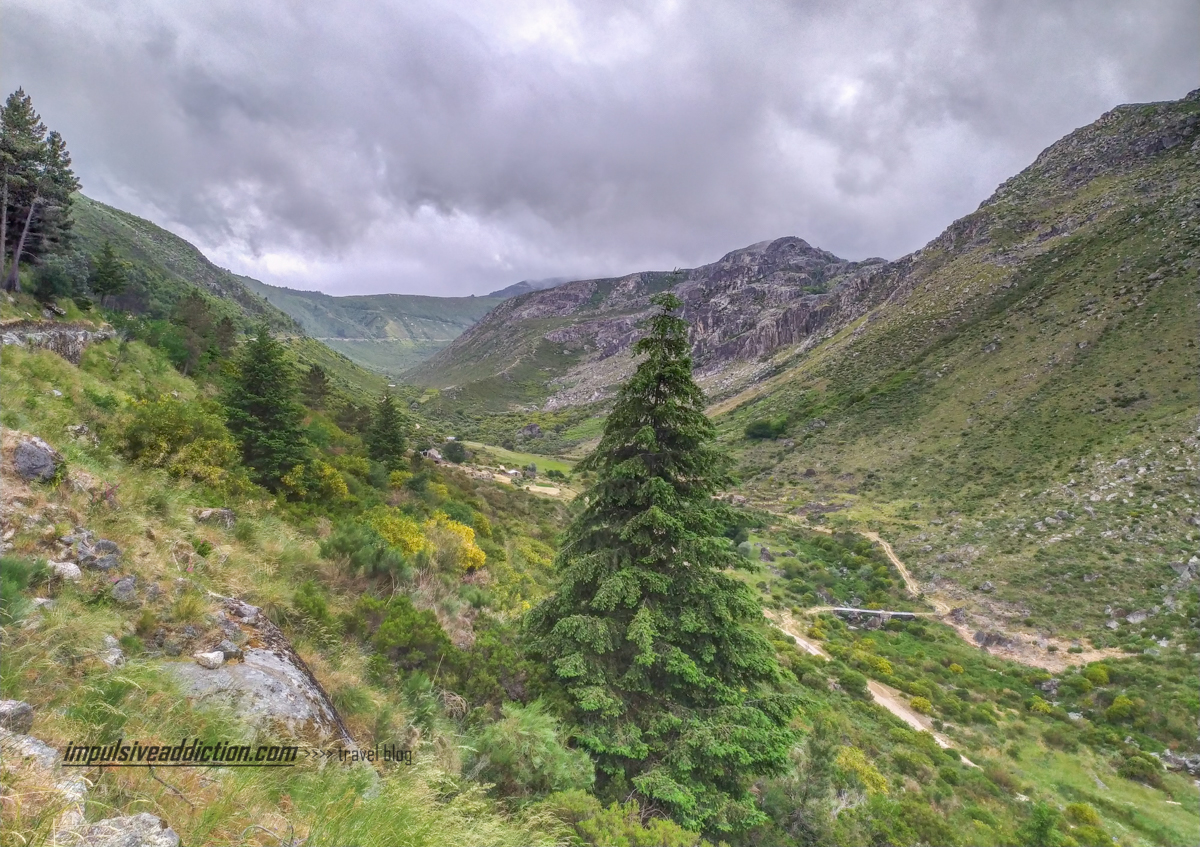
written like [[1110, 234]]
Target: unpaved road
[[884, 695], [1022, 651]]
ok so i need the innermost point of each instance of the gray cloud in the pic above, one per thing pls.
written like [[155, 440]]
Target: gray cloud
[[456, 147]]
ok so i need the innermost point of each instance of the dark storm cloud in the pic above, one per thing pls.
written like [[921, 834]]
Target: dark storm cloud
[[456, 147]]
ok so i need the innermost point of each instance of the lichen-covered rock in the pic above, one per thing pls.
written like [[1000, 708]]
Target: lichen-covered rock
[[16, 715], [272, 685], [34, 459], [210, 660], [230, 650], [141, 830], [112, 655], [66, 570]]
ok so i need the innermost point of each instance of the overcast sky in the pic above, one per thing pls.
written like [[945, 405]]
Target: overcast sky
[[457, 147]]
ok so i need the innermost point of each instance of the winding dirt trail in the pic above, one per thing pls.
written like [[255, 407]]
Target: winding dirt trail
[[1020, 651], [886, 696]]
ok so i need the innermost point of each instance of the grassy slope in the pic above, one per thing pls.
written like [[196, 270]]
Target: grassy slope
[[1010, 384], [264, 561], [385, 332]]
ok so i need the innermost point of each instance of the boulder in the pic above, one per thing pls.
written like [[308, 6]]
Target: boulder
[[764, 555], [124, 590], [531, 430], [141, 830], [66, 570], [104, 546], [34, 459], [230, 650], [1136, 618], [272, 685], [210, 660], [16, 716], [987, 587]]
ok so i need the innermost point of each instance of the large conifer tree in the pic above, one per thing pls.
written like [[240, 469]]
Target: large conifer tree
[[36, 183], [672, 685], [385, 438], [263, 412]]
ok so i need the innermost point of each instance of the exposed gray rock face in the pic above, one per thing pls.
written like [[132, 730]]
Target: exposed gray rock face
[[34, 459], [272, 684], [141, 830], [1176, 762], [765, 555], [67, 340], [16, 715]]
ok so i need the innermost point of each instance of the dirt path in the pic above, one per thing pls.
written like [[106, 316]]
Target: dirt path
[[1021, 651], [884, 695]]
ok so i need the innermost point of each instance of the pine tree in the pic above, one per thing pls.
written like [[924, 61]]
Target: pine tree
[[385, 438], [315, 386], [36, 183], [263, 412], [108, 276], [672, 686]]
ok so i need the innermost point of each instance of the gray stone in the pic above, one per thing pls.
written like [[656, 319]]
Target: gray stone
[[230, 650], [141, 830], [764, 555], [172, 647], [34, 459], [987, 587], [112, 655], [1137, 617], [16, 715], [17, 746], [124, 590], [66, 570], [210, 660], [106, 546]]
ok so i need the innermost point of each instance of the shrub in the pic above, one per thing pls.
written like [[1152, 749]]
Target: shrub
[[1097, 674], [1141, 769], [15, 576], [398, 530], [188, 438], [955, 667], [1078, 684], [364, 550], [619, 825], [412, 639], [455, 452], [922, 705], [523, 754], [454, 547], [1122, 709], [766, 428], [853, 683], [1038, 706], [1081, 814]]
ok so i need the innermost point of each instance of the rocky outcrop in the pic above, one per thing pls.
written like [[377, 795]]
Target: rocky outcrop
[[67, 340], [270, 684]]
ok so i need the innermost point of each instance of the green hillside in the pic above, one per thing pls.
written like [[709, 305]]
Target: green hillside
[[1020, 415], [388, 333]]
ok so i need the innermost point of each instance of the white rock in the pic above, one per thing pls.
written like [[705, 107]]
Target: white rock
[[66, 570], [211, 660]]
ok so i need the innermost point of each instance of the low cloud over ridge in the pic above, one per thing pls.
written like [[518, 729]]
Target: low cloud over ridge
[[454, 148]]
